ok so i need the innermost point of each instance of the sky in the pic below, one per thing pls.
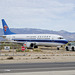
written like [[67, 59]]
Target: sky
[[41, 14]]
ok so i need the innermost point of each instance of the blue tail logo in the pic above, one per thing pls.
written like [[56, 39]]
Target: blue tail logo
[[6, 29]]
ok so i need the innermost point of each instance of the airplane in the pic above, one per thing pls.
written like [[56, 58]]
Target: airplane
[[32, 40]]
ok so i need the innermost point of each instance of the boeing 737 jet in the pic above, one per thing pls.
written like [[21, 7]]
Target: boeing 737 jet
[[32, 40]]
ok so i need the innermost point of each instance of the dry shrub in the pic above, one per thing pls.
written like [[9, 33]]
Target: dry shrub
[[10, 58]]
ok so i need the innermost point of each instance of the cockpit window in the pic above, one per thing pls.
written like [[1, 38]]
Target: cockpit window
[[60, 37]]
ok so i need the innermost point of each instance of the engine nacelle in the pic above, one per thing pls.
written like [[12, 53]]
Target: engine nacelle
[[29, 45]]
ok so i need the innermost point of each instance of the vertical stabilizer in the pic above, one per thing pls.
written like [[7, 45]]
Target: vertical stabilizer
[[6, 29]]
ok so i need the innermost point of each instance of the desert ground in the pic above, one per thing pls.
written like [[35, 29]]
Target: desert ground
[[41, 54]]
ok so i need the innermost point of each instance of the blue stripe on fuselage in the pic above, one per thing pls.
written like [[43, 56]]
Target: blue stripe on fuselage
[[41, 40]]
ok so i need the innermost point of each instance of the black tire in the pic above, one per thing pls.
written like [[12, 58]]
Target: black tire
[[35, 46], [67, 49], [31, 45], [72, 48], [57, 48]]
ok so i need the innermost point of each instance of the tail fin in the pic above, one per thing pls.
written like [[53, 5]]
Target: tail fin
[[6, 29]]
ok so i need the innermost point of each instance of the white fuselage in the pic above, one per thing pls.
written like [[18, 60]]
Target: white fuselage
[[38, 39], [33, 40]]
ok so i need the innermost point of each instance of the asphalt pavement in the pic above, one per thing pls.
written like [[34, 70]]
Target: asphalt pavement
[[36, 67]]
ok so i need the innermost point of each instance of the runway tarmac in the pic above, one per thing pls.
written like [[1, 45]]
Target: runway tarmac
[[36, 67]]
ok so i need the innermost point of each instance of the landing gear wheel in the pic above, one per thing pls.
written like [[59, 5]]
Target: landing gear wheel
[[72, 48], [67, 49], [35, 46], [57, 48]]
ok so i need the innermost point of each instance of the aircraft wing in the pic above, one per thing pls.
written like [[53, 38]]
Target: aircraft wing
[[14, 42], [3, 36]]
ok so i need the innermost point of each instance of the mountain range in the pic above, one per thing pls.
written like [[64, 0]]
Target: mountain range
[[67, 35]]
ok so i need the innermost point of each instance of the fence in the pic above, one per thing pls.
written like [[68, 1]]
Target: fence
[[10, 49]]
